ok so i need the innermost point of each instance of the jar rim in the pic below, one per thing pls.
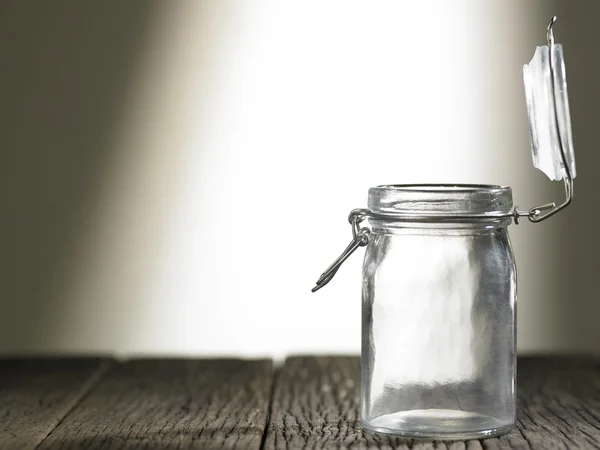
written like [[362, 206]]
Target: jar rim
[[441, 200], [457, 187]]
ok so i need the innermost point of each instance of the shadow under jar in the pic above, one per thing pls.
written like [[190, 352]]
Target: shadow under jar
[[438, 320]]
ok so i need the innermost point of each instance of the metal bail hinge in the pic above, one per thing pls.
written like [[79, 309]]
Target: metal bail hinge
[[360, 238]]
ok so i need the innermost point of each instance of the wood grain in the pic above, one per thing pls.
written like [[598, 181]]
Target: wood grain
[[161, 404], [559, 402], [316, 405], [171, 404], [35, 395]]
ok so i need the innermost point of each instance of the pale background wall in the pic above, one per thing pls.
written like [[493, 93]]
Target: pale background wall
[[179, 173]]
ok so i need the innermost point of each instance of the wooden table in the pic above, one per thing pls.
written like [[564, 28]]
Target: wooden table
[[309, 402]]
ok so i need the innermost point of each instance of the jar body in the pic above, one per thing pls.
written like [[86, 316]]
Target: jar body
[[438, 330]]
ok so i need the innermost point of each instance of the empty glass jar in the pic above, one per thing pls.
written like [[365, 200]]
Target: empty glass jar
[[438, 299], [439, 284]]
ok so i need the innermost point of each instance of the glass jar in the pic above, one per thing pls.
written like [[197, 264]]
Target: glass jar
[[438, 312], [439, 284]]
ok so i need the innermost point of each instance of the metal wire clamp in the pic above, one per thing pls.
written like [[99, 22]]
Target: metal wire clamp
[[360, 238]]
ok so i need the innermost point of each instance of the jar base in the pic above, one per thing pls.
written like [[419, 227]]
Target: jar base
[[438, 424]]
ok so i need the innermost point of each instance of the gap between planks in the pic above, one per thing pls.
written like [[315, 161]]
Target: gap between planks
[[36, 394], [86, 388]]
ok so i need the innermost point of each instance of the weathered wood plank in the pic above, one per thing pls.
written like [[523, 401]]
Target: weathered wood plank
[[163, 404], [559, 402], [35, 395], [316, 405]]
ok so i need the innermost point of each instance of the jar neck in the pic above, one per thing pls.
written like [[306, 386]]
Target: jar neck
[[438, 228]]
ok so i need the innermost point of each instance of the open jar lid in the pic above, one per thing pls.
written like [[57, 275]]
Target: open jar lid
[[548, 111]]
